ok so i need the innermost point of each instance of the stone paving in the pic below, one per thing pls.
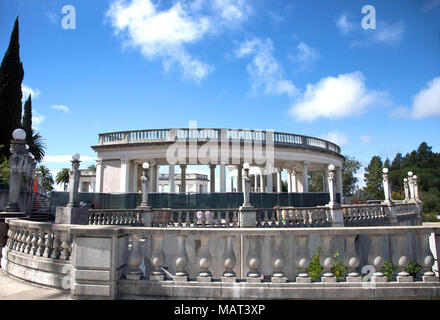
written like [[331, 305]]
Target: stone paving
[[12, 289]]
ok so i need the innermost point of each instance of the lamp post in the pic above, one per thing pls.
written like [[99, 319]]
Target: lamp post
[[17, 166], [144, 181], [74, 182]]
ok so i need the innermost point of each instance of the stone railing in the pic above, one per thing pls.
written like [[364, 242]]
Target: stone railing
[[38, 252], [365, 215], [293, 217], [406, 211], [244, 263], [209, 218], [132, 217], [169, 135]]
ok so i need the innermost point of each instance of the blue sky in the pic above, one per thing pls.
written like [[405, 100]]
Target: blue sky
[[305, 67]]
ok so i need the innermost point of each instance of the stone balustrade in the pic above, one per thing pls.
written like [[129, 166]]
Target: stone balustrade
[[365, 215], [168, 135], [293, 217], [132, 217], [116, 261], [214, 218]]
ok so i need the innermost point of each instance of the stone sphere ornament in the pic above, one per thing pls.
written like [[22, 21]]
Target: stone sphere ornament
[[331, 167], [19, 134], [410, 173], [75, 157], [246, 166], [145, 165], [385, 170]]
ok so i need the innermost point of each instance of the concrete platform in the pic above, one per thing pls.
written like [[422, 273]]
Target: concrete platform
[[13, 289]]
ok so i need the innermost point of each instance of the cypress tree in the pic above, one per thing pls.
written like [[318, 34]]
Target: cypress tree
[[27, 118], [373, 178], [11, 76]]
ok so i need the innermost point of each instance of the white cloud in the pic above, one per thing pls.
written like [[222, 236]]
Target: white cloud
[[305, 57], [27, 91], [61, 108], [389, 33], [366, 139], [166, 33], [265, 71], [37, 119], [344, 25], [65, 158], [336, 97], [338, 137], [425, 104]]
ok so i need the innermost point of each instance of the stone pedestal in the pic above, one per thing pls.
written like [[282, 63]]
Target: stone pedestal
[[404, 279], [180, 278], [71, 215], [247, 217], [229, 279], [303, 279], [337, 215], [146, 216]]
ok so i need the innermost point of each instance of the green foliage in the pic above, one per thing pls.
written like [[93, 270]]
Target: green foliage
[[315, 183], [4, 170], [92, 167], [413, 268], [349, 180], [373, 179], [388, 269], [62, 177], [339, 268], [315, 268], [43, 172], [11, 76]]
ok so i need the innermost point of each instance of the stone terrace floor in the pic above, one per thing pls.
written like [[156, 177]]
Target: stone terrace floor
[[13, 289]]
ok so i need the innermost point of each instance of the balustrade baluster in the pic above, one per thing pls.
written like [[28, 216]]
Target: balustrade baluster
[[229, 261], [375, 258], [65, 246], [22, 240], [28, 240], [157, 257], [227, 219], [187, 220], [135, 258], [266, 219], [425, 258], [351, 259], [181, 260], [273, 218], [253, 260], [208, 218], [40, 243], [205, 259], [235, 218], [34, 242], [48, 244], [171, 218], [278, 260], [218, 220], [179, 219], [302, 259], [400, 257], [200, 219], [163, 219], [56, 246], [327, 259]]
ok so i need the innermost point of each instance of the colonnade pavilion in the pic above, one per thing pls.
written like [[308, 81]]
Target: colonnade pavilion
[[120, 156]]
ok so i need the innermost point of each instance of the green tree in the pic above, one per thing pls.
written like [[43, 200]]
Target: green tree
[[33, 138], [4, 169], [62, 177], [349, 180], [316, 182], [92, 167], [11, 76], [43, 172], [373, 179]]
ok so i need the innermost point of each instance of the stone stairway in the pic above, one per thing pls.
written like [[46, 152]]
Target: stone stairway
[[40, 208]]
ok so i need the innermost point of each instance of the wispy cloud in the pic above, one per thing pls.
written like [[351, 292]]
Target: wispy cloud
[[345, 26], [428, 5], [26, 91], [336, 97], [366, 139], [61, 107], [305, 56], [37, 119], [336, 136], [167, 33], [425, 103], [266, 73]]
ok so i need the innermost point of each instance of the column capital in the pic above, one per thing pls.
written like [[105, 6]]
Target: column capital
[[183, 166]]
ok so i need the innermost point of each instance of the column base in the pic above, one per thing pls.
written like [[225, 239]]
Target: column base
[[430, 279], [379, 279], [253, 279], [328, 279], [229, 279], [303, 279], [180, 278], [204, 279], [405, 279], [279, 279], [157, 277], [134, 275], [353, 279]]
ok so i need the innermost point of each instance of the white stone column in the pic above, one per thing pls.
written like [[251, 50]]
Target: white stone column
[[325, 175], [289, 180], [125, 171], [240, 178], [212, 178], [182, 178], [261, 181], [231, 178], [171, 181], [151, 179], [297, 184], [411, 185], [135, 176], [255, 182], [269, 181], [306, 176], [158, 180], [222, 177], [339, 182], [98, 184], [279, 183]]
